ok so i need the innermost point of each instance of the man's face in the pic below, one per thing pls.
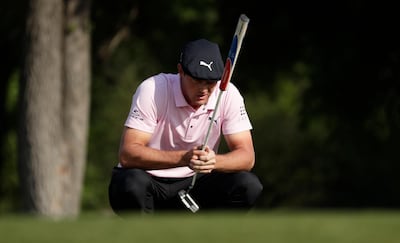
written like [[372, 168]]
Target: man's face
[[196, 92]]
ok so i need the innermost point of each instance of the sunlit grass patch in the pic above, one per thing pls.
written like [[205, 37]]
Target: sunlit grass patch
[[257, 226]]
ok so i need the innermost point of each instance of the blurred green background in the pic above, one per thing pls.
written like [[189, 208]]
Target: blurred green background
[[320, 80]]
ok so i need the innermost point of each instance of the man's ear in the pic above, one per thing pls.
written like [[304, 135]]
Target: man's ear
[[180, 69]]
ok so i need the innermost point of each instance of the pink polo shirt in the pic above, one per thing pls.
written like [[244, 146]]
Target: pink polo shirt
[[158, 107]]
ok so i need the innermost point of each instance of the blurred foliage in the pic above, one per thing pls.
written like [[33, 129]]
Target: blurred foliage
[[112, 90], [8, 172], [321, 84]]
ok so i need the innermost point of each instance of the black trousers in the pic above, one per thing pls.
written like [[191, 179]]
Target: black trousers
[[134, 189]]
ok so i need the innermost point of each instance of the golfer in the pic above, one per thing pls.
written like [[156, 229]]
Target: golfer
[[161, 144]]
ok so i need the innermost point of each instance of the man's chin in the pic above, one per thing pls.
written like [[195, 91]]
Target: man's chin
[[198, 104]]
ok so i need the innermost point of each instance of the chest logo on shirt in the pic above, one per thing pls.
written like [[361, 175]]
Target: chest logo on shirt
[[215, 121]]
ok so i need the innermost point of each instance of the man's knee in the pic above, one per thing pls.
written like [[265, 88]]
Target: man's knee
[[250, 186], [128, 189]]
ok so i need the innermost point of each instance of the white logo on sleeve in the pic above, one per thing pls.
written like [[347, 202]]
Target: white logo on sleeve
[[243, 113], [135, 114], [203, 63]]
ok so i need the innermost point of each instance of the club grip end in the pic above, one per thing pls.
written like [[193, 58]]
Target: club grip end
[[244, 18]]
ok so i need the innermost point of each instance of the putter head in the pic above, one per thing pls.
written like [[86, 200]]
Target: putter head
[[188, 201]]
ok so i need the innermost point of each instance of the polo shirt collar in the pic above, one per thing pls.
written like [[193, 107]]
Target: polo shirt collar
[[178, 95], [213, 99]]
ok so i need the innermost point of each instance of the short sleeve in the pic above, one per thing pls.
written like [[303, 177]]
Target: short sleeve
[[234, 115], [143, 111]]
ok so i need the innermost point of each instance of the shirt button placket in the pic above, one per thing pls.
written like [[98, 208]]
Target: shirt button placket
[[191, 126]]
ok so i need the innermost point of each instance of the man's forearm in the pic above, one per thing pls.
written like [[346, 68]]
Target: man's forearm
[[143, 157], [237, 160]]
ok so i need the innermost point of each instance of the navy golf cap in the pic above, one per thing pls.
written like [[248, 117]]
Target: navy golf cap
[[202, 60]]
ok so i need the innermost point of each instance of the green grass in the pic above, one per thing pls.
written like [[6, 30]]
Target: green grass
[[258, 226]]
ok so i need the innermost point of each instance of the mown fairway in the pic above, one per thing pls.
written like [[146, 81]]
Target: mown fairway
[[258, 226]]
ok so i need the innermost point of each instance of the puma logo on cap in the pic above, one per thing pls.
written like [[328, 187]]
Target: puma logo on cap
[[203, 63], [196, 55]]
